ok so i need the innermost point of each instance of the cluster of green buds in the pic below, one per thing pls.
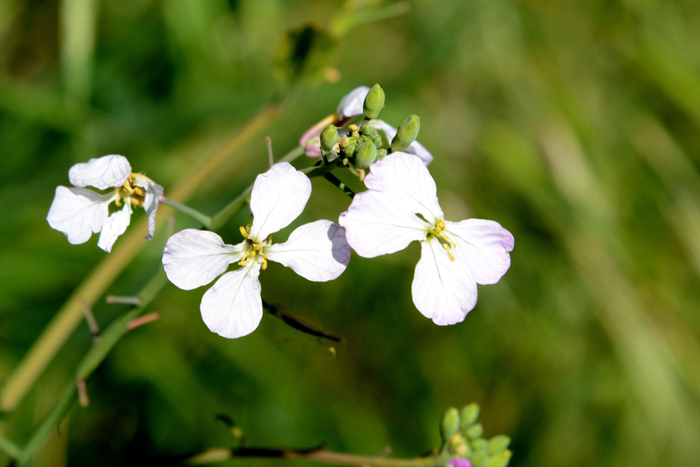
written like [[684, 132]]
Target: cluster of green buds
[[363, 145], [462, 438]]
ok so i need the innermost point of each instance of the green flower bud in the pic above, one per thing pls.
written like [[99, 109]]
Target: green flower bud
[[380, 154], [374, 101], [498, 444], [480, 445], [500, 460], [469, 414], [450, 424], [479, 459], [377, 138], [406, 134], [329, 136], [350, 148], [366, 154], [475, 431], [367, 130]]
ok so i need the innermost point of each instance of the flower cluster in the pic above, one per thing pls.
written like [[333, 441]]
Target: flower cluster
[[233, 307], [400, 206], [79, 212]]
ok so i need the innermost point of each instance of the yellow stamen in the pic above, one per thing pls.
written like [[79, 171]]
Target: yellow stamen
[[448, 239], [353, 127], [244, 261], [137, 202], [139, 192], [118, 201], [264, 262], [447, 247], [244, 232]]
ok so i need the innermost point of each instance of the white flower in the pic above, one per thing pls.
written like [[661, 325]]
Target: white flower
[[79, 212], [352, 104], [232, 307], [401, 206]]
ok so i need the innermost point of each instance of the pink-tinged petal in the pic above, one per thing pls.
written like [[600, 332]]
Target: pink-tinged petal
[[405, 179], [317, 251], [78, 213], [482, 248], [351, 105], [233, 306], [193, 258], [150, 202], [442, 291], [459, 462], [114, 226], [279, 196], [377, 224], [414, 148], [104, 172], [313, 148]]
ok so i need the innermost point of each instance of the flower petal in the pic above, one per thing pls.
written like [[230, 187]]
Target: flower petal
[[150, 203], [378, 225], [317, 251], [351, 105], [104, 172], [442, 291], [114, 226], [193, 258], [279, 196], [78, 213], [233, 306], [482, 248], [384, 219], [414, 148]]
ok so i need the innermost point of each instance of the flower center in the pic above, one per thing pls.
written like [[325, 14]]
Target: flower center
[[128, 190], [254, 249], [438, 231]]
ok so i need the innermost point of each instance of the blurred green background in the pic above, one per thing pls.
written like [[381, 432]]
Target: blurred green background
[[573, 124]]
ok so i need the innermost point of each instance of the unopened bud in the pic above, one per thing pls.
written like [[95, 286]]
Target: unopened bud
[[329, 136], [462, 449], [480, 445], [468, 415], [480, 459], [406, 134], [374, 102], [380, 154], [367, 130], [498, 444], [500, 460], [475, 431], [350, 147], [366, 155], [450, 424]]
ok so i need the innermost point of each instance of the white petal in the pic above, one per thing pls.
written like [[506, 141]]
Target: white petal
[[193, 258], [403, 176], [376, 224], [114, 226], [482, 248], [104, 172], [414, 148], [352, 104], [78, 213], [233, 307], [317, 251], [279, 196], [442, 291], [384, 219], [150, 203]]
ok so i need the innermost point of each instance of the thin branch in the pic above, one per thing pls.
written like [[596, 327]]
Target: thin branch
[[193, 213], [270, 156]]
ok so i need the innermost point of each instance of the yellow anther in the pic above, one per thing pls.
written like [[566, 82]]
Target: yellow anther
[[244, 232], [439, 227], [344, 141], [127, 186], [118, 201], [264, 262], [448, 239], [139, 192], [355, 134], [244, 261], [353, 127], [346, 162], [137, 202], [447, 247]]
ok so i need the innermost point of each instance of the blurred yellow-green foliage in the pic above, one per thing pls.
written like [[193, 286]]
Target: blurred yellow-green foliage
[[575, 124]]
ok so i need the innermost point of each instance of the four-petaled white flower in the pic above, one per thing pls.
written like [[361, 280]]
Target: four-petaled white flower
[[79, 212], [351, 106], [401, 206], [232, 307]]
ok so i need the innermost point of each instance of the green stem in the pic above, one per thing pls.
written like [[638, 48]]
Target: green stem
[[90, 361], [10, 448], [216, 455], [193, 213], [343, 187]]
